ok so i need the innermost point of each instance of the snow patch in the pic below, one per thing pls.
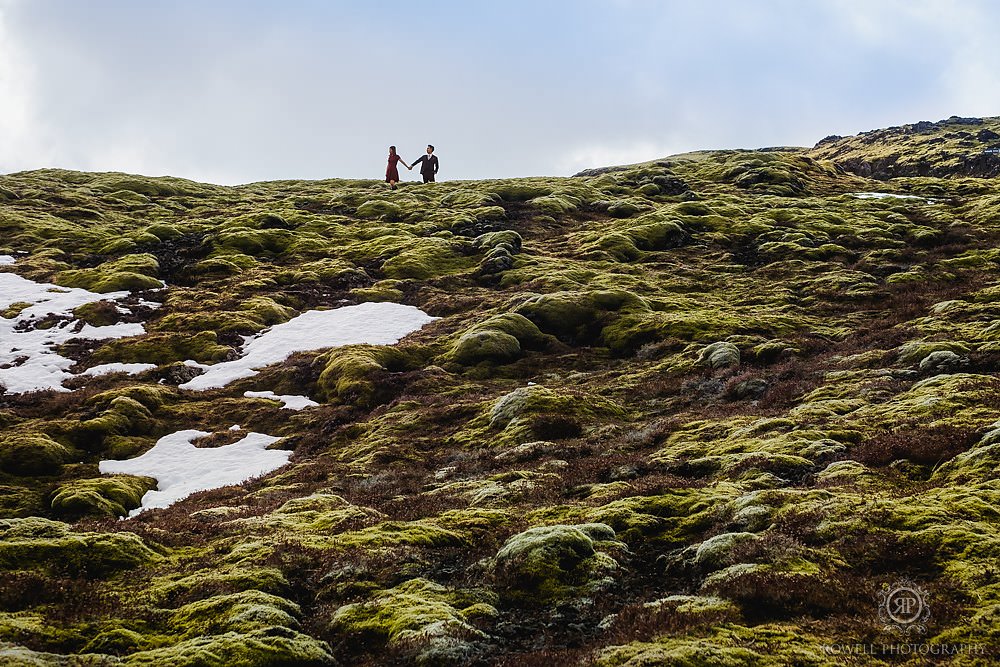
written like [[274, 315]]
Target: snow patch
[[372, 323], [6, 260], [181, 469], [289, 401], [888, 195], [28, 357], [131, 369]]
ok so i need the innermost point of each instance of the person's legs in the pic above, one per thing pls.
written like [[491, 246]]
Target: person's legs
[[428, 178]]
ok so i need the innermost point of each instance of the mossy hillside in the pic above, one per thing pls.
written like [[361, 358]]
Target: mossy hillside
[[955, 146], [777, 396]]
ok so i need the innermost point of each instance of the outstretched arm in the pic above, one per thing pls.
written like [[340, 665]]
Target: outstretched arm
[[404, 163]]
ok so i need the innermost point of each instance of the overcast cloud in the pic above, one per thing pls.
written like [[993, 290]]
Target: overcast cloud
[[239, 91]]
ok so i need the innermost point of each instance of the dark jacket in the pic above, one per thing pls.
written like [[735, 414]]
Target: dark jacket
[[429, 164]]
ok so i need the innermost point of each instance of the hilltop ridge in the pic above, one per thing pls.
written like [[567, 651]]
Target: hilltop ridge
[[952, 147]]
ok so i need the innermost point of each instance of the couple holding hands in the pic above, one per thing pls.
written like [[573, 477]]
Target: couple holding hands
[[428, 166]]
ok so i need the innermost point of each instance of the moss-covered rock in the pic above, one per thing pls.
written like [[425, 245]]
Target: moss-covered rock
[[37, 542], [355, 374], [578, 316], [32, 454], [242, 612], [719, 355], [131, 272], [555, 561], [107, 496], [164, 348], [277, 646], [500, 339], [377, 208], [416, 612]]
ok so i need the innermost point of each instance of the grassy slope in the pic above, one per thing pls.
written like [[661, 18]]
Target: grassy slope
[[635, 505]]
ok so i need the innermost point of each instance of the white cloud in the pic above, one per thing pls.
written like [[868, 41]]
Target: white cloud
[[20, 135], [232, 92]]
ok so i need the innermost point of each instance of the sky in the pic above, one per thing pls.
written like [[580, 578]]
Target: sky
[[236, 91]]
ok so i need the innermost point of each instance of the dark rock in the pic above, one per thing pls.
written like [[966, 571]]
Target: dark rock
[[671, 185], [178, 373], [828, 140]]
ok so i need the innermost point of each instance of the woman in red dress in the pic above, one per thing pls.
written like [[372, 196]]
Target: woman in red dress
[[391, 173]]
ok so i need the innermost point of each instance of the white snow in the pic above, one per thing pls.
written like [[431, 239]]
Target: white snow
[[6, 260], [28, 360], [887, 195], [373, 323], [181, 469], [289, 401], [106, 369]]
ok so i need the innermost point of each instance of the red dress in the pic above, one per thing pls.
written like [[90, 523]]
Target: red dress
[[391, 173]]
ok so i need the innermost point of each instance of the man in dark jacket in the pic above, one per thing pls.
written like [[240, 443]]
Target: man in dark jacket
[[428, 164]]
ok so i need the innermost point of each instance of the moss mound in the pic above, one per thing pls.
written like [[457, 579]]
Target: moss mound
[[112, 496], [32, 454], [36, 542]]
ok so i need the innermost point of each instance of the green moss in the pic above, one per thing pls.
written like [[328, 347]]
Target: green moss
[[275, 647], [20, 501], [243, 612], [377, 208], [255, 242], [267, 310], [123, 416], [661, 235], [626, 208], [383, 290], [97, 313], [354, 373], [164, 348], [726, 646], [317, 513], [549, 562], [117, 641], [578, 316], [500, 339], [492, 240], [152, 396], [426, 258], [32, 454], [914, 352], [42, 543], [131, 272], [719, 355], [14, 309], [108, 496], [416, 611], [555, 204], [716, 551], [229, 579]]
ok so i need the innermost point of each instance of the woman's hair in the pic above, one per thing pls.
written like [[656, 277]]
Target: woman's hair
[[392, 148]]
